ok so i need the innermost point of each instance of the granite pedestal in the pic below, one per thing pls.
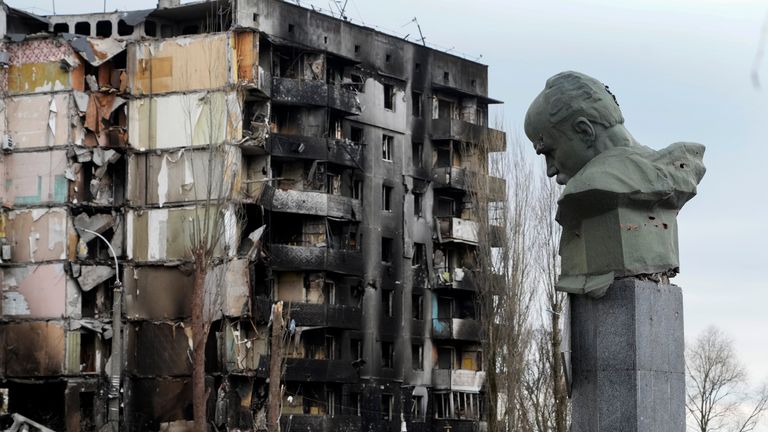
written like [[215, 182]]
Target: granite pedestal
[[627, 355]]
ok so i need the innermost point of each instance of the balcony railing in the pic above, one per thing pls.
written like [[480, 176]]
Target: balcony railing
[[466, 180], [339, 151], [459, 130], [458, 379], [287, 257], [326, 315], [320, 423], [315, 93], [320, 370], [310, 202], [456, 328]]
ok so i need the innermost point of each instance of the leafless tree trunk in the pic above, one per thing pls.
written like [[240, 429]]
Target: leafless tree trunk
[[717, 395], [548, 248], [503, 274], [275, 368]]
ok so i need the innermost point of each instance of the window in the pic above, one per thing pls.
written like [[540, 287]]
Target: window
[[386, 407], [357, 189], [389, 97], [417, 357], [330, 347], [419, 254], [356, 134], [417, 307], [387, 58], [356, 347], [83, 28], [386, 198], [357, 49], [473, 83], [61, 28], [416, 104], [354, 403], [417, 67], [325, 39], [388, 302], [417, 153], [417, 204], [104, 28], [386, 250], [329, 291], [290, 28], [386, 147], [417, 410], [330, 401], [124, 29], [358, 84], [446, 77], [387, 355], [445, 357]]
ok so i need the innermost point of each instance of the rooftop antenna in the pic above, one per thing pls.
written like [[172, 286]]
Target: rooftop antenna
[[53, 5], [422, 39]]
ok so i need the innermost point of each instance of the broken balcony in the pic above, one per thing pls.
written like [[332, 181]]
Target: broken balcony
[[326, 315], [458, 379], [452, 229], [340, 151], [310, 202], [459, 130], [457, 329], [318, 93], [291, 257], [320, 370], [466, 180]]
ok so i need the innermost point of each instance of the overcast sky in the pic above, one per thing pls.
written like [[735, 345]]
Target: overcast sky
[[681, 72]]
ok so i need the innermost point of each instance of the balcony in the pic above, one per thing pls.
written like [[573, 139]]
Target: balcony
[[451, 229], [318, 423], [457, 329], [320, 370], [459, 130], [287, 257], [311, 203], [326, 315], [339, 151], [457, 278], [466, 180], [314, 93], [458, 379]]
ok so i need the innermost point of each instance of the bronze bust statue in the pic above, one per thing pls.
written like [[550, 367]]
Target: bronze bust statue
[[619, 206]]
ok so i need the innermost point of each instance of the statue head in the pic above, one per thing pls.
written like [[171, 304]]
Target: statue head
[[571, 121]]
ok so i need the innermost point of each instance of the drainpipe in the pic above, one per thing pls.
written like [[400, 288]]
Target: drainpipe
[[113, 413]]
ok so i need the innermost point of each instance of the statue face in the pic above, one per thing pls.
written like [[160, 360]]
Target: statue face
[[566, 153]]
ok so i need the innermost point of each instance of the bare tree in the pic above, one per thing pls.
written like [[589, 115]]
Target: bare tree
[[718, 398], [548, 259], [504, 274]]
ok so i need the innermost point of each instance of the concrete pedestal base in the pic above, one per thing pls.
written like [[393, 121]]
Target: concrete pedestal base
[[627, 353]]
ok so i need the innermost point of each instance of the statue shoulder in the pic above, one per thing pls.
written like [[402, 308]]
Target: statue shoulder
[[639, 173]]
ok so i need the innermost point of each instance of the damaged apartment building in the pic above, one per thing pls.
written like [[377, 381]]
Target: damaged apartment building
[[341, 159]]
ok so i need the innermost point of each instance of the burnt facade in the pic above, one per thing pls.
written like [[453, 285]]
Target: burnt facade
[[343, 160]]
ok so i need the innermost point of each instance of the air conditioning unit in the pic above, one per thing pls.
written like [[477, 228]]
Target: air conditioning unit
[[6, 252], [7, 144]]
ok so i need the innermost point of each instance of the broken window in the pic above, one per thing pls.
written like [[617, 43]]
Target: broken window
[[417, 356], [354, 403], [417, 154], [386, 250], [358, 84], [446, 109], [356, 135], [417, 204], [386, 407], [125, 29], [416, 104], [386, 198], [357, 189], [356, 347], [389, 97], [446, 77], [387, 142], [104, 28], [83, 28], [445, 358], [417, 412], [61, 28], [388, 302], [419, 254], [417, 307], [443, 159], [387, 58], [387, 355], [150, 28]]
